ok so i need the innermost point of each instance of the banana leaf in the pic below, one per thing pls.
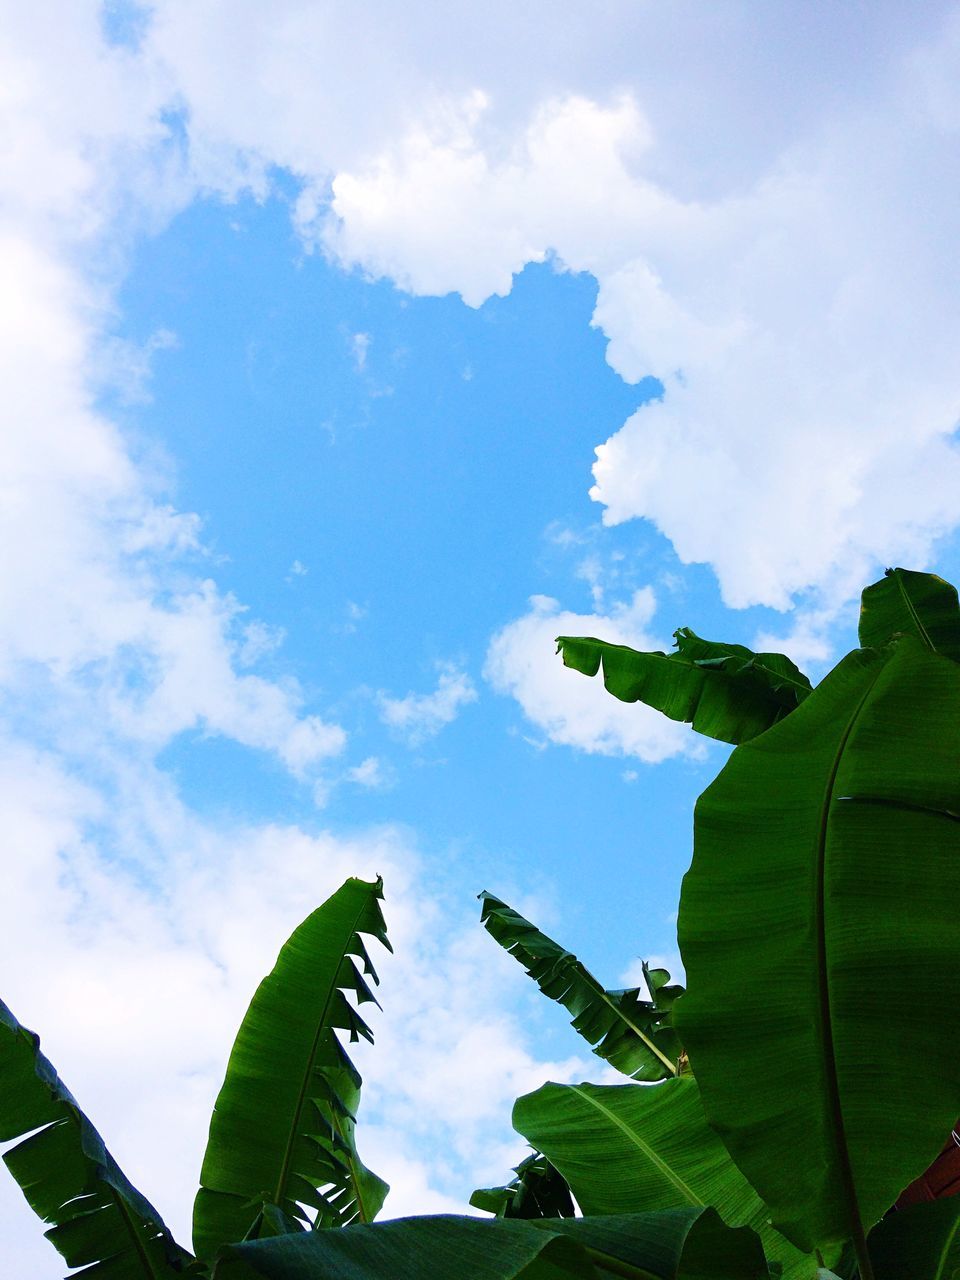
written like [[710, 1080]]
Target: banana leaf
[[632, 1149], [921, 1243], [538, 1191], [724, 691], [100, 1220], [281, 1149], [904, 602], [685, 1244], [819, 920], [632, 1034]]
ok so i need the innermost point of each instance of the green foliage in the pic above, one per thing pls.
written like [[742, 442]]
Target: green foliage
[[632, 1034], [625, 1149], [908, 603], [826, 873], [809, 1073], [922, 1243], [723, 690], [282, 1130], [686, 1244], [538, 1191], [68, 1176]]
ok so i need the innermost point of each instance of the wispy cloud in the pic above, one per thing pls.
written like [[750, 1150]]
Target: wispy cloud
[[371, 773], [360, 347], [420, 716]]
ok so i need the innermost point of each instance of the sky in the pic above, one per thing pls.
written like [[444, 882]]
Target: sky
[[350, 355]]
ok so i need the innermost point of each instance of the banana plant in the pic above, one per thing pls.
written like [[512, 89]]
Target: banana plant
[[281, 1156], [724, 691], [629, 1031], [683, 1244], [817, 927], [281, 1151], [539, 1190], [69, 1178]]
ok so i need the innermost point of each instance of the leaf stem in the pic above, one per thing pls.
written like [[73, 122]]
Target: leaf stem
[[864, 1264], [134, 1227]]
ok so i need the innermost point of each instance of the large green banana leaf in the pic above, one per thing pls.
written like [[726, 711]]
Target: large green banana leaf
[[68, 1176], [631, 1149], [919, 1243], [904, 602], [819, 920], [685, 1244], [632, 1034], [282, 1131], [723, 690], [538, 1191]]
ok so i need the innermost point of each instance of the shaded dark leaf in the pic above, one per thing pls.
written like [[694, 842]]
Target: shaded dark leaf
[[538, 1191], [919, 1243], [685, 1244]]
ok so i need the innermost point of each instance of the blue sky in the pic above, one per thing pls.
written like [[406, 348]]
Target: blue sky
[[372, 508], [348, 361]]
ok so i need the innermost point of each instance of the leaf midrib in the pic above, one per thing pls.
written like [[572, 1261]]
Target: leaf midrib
[[134, 1228], [944, 1252], [908, 602], [584, 975], [657, 1161], [823, 988]]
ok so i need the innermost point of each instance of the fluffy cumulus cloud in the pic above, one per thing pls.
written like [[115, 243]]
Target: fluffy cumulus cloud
[[775, 247], [565, 706], [804, 325]]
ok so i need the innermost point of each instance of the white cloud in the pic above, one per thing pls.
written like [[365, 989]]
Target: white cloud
[[420, 716], [803, 321], [371, 772], [784, 236], [126, 367], [259, 639], [136, 970], [752, 240], [570, 709], [359, 347]]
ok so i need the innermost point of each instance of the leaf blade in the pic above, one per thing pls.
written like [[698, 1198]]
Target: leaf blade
[[539, 1190], [632, 1034], [800, 908], [724, 691], [670, 1246], [67, 1175], [905, 602], [635, 1149], [922, 1242], [282, 1131]]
